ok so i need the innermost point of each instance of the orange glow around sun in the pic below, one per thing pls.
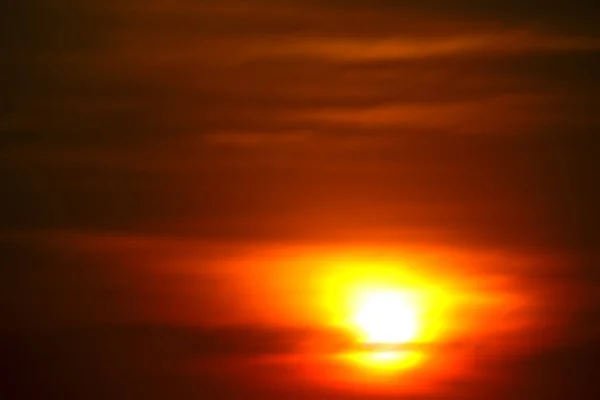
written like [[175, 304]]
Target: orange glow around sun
[[391, 312], [386, 317], [383, 303]]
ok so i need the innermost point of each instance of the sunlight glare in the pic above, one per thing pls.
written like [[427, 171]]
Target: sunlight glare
[[386, 317]]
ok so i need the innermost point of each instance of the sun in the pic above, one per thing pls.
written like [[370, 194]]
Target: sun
[[385, 316]]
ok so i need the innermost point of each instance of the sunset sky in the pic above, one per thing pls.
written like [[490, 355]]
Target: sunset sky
[[196, 194]]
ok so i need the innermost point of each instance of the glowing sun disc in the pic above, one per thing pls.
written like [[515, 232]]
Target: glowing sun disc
[[386, 317]]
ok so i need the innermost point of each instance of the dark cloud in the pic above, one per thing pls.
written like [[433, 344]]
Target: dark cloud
[[106, 73], [145, 119], [562, 15]]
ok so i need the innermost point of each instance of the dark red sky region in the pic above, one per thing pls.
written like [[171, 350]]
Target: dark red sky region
[[192, 191]]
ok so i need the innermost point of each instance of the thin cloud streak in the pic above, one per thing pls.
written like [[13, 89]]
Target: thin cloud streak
[[353, 49]]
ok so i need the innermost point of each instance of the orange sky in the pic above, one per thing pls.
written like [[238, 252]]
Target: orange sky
[[195, 187]]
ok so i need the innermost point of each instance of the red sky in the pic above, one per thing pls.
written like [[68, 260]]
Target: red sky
[[181, 178]]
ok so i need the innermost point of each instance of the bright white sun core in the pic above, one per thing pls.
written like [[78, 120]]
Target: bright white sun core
[[385, 316]]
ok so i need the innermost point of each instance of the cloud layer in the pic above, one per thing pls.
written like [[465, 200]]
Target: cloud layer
[[164, 125]]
